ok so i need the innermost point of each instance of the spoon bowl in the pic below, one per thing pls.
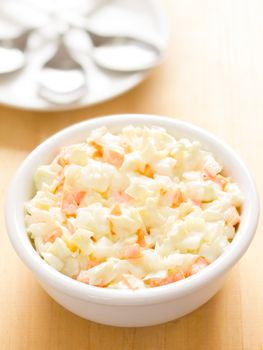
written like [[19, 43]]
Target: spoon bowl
[[62, 78], [123, 53], [11, 60], [126, 55], [12, 52]]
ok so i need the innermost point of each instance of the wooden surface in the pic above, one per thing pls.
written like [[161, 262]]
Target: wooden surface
[[213, 77]]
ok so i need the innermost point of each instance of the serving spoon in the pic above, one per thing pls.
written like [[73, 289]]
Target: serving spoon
[[62, 79], [118, 52]]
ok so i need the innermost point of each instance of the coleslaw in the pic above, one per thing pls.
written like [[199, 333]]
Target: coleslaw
[[131, 210]]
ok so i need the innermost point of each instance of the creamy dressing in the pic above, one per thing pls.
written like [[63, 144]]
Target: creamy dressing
[[137, 209]]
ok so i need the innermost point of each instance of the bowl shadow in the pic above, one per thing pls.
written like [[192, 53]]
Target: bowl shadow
[[60, 329]]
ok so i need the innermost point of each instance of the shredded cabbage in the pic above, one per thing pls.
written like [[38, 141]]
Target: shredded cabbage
[[138, 209]]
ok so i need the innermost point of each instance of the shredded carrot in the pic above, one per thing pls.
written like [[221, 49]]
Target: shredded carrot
[[55, 234], [140, 238], [197, 266], [69, 206], [116, 210], [171, 278], [79, 196], [178, 199], [131, 252], [98, 149], [148, 171], [113, 157], [196, 202], [92, 263]]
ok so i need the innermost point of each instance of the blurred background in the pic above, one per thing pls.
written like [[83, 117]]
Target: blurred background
[[58, 55]]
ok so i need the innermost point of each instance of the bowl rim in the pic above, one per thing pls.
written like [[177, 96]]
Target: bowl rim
[[56, 280]]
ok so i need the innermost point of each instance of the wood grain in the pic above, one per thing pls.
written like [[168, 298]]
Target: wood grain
[[213, 77]]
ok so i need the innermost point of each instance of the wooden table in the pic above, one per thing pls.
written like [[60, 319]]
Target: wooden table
[[213, 77]]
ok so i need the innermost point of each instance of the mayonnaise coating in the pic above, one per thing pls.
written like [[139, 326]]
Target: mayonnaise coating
[[131, 210]]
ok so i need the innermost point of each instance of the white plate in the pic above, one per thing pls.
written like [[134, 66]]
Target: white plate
[[140, 18]]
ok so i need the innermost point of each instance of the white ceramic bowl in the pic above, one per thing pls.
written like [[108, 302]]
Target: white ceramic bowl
[[124, 307]]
